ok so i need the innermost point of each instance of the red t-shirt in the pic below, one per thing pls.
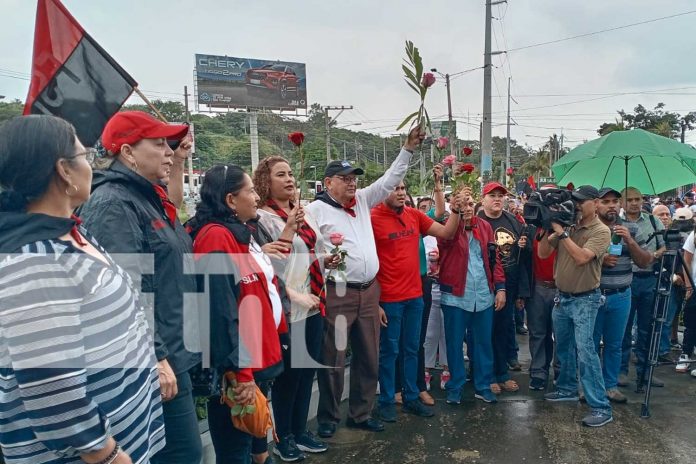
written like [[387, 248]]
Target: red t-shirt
[[543, 268], [397, 237]]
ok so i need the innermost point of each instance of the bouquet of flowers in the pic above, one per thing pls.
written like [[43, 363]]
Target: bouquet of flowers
[[420, 82], [461, 174]]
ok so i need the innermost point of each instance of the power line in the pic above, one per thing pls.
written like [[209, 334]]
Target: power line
[[588, 34]]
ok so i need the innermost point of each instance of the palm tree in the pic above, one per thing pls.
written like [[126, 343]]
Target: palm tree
[[537, 164], [664, 129], [617, 125]]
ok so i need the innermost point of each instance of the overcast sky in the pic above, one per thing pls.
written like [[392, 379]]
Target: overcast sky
[[353, 50]]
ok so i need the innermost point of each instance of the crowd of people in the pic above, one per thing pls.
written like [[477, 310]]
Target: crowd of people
[[401, 289]]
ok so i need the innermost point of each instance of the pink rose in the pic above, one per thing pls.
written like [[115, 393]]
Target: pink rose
[[336, 239], [428, 80], [467, 151], [442, 142], [449, 160]]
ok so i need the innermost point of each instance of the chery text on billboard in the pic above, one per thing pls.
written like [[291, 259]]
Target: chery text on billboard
[[225, 81]]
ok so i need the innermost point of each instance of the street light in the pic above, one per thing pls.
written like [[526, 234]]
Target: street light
[[1, 97]]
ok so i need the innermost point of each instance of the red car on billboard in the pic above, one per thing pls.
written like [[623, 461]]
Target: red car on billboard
[[273, 77]]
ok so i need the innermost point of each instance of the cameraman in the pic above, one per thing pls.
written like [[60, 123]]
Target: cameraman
[[628, 247], [577, 275]]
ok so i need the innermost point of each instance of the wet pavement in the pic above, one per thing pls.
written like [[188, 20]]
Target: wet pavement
[[523, 428]]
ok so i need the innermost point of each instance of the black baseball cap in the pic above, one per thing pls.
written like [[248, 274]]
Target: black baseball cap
[[606, 191], [585, 192], [342, 168]]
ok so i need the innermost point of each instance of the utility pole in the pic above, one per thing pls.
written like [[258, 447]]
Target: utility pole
[[507, 141], [254, 131], [329, 121], [344, 151], [385, 153], [486, 129], [449, 114], [422, 166], [192, 190]]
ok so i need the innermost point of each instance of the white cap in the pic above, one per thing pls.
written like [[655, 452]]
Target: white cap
[[683, 214]]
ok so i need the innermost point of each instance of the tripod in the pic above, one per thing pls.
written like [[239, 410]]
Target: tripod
[[671, 260]]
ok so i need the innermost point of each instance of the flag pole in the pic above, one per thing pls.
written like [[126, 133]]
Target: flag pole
[[149, 103]]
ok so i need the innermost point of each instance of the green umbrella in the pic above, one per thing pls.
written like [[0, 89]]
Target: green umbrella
[[637, 158]]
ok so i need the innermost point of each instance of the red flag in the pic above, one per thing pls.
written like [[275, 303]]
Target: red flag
[[72, 77], [530, 181]]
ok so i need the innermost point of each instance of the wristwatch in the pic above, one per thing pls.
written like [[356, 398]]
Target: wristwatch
[[563, 235]]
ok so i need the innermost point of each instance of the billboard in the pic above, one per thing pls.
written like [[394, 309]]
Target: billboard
[[225, 81], [441, 129]]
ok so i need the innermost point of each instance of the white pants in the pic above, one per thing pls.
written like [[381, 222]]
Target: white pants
[[435, 333]]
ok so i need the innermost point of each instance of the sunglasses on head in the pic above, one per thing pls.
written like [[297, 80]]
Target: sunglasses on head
[[174, 144]]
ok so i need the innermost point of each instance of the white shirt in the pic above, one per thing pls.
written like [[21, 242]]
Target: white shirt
[[362, 263], [690, 246], [266, 266]]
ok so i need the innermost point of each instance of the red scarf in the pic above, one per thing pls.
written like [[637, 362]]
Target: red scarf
[[309, 237], [74, 233], [348, 207], [169, 208]]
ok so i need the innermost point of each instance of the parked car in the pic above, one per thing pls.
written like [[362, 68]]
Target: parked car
[[275, 78]]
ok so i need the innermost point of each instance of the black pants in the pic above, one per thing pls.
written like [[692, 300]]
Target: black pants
[[689, 341], [181, 427], [232, 446], [292, 390], [427, 284]]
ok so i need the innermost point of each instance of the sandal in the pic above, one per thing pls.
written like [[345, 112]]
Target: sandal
[[495, 388], [426, 399], [510, 386]]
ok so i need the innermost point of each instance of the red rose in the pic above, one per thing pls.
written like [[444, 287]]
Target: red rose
[[467, 151], [336, 239], [428, 80], [510, 171], [468, 168], [297, 138]]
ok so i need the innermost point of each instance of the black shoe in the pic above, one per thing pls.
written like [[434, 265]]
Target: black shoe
[[514, 365], [308, 443], [286, 449], [418, 408], [665, 358], [386, 412], [537, 384], [521, 330], [371, 425], [326, 429]]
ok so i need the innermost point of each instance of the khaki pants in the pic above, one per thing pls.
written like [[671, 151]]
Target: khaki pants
[[360, 310]]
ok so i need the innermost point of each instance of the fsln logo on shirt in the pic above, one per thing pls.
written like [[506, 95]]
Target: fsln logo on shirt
[[402, 234], [250, 279]]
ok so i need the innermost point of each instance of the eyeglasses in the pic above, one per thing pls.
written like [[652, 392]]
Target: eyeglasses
[[90, 154], [348, 179]]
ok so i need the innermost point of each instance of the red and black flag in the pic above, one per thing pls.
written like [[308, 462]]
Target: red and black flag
[[72, 76]]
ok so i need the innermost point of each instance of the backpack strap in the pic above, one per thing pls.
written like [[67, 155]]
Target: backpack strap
[[654, 226]]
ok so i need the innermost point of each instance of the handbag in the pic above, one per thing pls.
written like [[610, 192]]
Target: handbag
[[255, 420]]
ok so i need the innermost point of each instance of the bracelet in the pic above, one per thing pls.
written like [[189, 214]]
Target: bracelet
[[456, 211], [111, 457], [285, 241], [501, 290]]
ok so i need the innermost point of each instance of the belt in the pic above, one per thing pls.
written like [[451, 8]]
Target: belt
[[355, 285], [575, 295], [614, 291], [546, 283], [643, 275]]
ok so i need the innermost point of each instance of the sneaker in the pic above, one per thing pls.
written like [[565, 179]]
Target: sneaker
[[428, 378], [486, 396], [514, 365], [417, 408], [456, 397], [597, 419], [309, 443], [675, 345], [616, 396], [556, 396], [537, 384], [522, 330], [693, 373], [444, 378], [623, 380], [665, 358], [286, 449], [683, 363], [387, 412]]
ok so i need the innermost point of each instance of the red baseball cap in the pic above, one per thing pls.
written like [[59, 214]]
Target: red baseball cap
[[489, 187], [129, 127]]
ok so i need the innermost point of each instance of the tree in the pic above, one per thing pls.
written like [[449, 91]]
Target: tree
[[9, 110], [537, 164], [608, 127], [656, 120], [173, 111]]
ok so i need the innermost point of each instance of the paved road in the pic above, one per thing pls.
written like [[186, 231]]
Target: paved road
[[523, 428]]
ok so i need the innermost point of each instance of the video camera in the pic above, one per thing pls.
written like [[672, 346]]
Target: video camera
[[675, 236], [547, 206]]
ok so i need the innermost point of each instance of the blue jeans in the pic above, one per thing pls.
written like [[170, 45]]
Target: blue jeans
[[407, 314], [642, 305], [573, 322], [610, 326], [665, 338], [480, 325], [504, 341]]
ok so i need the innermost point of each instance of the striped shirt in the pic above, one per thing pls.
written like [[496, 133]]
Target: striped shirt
[[621, 275], [77, 363]]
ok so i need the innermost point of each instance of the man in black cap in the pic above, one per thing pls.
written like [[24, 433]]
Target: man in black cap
[[581, 249], [342, 212], [627, 247]]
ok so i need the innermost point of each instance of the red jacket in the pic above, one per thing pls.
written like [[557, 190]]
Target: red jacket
[[243, 333], [454, 258]]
